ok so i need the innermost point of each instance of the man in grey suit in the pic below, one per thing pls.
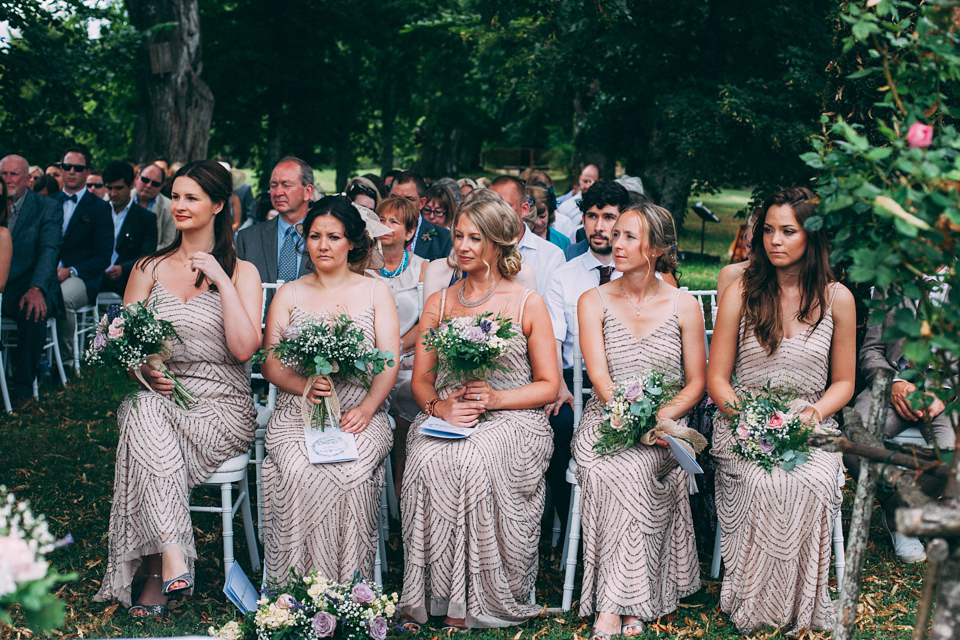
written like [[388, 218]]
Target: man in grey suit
[[148, 196], [271, 245], [934, 423], [32, 292]]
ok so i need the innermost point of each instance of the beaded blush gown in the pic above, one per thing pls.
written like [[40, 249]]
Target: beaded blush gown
[[165, 451], [639, 551], [471, 510]]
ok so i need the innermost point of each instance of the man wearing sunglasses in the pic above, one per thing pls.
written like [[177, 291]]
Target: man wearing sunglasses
[[148, 196], [95, 185], [86, 248]]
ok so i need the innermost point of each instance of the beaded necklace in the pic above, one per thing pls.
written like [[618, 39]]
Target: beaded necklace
[[403, 265]]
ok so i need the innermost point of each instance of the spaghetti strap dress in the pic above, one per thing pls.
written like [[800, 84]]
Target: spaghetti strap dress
[[165, 451], [639, 550], [471, 509], [323, 516], [778, 527]]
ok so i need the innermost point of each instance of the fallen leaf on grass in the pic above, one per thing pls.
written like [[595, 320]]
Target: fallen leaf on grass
[[109, 612]]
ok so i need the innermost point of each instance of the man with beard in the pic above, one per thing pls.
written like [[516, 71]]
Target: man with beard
[[601, 206]]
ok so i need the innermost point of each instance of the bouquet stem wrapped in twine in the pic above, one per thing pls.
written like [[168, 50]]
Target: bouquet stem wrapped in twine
[[318, 414], [691, 440], [181, 395]]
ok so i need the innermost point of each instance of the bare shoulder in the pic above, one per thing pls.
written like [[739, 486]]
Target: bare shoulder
[[842, 297], [247, 271]]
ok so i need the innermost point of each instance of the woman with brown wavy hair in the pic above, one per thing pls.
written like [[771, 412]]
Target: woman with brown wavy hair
[[471, 508], [787, 324]]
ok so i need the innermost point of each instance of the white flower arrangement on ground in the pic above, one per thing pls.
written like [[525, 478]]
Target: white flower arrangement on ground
[[26, 578], [313, 607]]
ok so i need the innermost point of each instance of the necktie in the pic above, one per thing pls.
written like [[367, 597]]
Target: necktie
[[605, 274], [287, 270], [72, 198]]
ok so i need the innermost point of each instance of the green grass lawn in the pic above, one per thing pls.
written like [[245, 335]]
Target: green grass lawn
[[60, 455]]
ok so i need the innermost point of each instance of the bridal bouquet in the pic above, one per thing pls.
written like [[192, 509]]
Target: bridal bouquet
[[632, 411], [311, 607], [468, 347], [25, 575], [130, 336], [318, 347], [765, 432]]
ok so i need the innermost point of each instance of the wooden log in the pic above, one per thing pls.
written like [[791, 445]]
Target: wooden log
[[834, 443], [856, 542], [939, 519], [946, 617]]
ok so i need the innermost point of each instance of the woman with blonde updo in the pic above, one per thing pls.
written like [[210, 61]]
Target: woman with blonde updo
[[471, 508]]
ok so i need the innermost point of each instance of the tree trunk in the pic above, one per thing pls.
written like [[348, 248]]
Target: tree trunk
[[388, 117], [176, 103], [668, 186]]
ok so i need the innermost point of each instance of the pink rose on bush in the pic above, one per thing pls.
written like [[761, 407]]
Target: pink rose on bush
[[116, 328], [919, 135], [777, 420]]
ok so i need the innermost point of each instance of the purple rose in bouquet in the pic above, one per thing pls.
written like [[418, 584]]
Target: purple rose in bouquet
[[324, 624], [286, 601], [362, 593], [377, 629]]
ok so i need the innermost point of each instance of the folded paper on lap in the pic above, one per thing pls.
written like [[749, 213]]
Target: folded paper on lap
[[330, 445], [687, 462], [442, 429]]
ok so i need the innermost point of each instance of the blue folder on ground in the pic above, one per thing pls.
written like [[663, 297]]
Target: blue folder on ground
[[240, 590]]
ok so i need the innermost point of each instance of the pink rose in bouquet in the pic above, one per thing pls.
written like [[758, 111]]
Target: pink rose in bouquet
[[777, 420], [116, 329]]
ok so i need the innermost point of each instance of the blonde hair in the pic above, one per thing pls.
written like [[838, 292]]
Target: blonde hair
[[661, 232], [539, 196], [497, 224]]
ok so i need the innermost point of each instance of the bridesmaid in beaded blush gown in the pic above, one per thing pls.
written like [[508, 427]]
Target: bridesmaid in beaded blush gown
[[787, 324], [471, 508], [213, 301], [324, 516], [639, 551]]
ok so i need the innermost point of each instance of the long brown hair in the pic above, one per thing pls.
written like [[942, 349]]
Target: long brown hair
[[216, 183], [761, 289]]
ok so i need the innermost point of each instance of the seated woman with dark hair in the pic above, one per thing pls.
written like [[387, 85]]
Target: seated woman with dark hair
[[324, 516], [439, 206], [363, 192], [213, 301]]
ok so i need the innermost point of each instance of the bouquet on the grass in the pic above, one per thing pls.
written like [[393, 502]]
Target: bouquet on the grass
[[130, 336], [766, 432], [26, 578], [468, 347], [318, 347], [630, 417], [313, 607]]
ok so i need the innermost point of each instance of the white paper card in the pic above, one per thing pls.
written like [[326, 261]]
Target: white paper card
[[442, 429], [687, 462], [240, 590], [330, 445]]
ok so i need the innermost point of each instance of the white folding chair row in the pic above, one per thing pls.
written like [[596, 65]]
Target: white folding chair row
[[8, 338], [84, 326], [708, 301], [839, 556], [233, 472]]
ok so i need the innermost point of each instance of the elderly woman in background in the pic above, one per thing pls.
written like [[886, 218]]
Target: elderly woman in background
[[439, 206], [401, 273], [542, 216]]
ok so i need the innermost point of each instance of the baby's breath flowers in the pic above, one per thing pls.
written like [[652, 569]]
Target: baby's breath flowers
[[632, 410], [767, 433]]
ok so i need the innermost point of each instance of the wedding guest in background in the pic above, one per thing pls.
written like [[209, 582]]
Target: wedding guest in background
[[95, 185], [53, 169], [46, 185], [34, 173], [439, 206], [476, 568], [466, 186], [213, 301], [272, 245], [543, 256], [540, 218], [147, 195], [389, 177], [733, 272], [785, 323], [86, 248], [640, 555], [603, 203], [401, 273], [453, 187], [325, 516], [31, 294], [134, 228], [363, 192], [164, 165], [440, 274], [429, 241], [6, 240], [589, 174], [244, 194], [378, 183]]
